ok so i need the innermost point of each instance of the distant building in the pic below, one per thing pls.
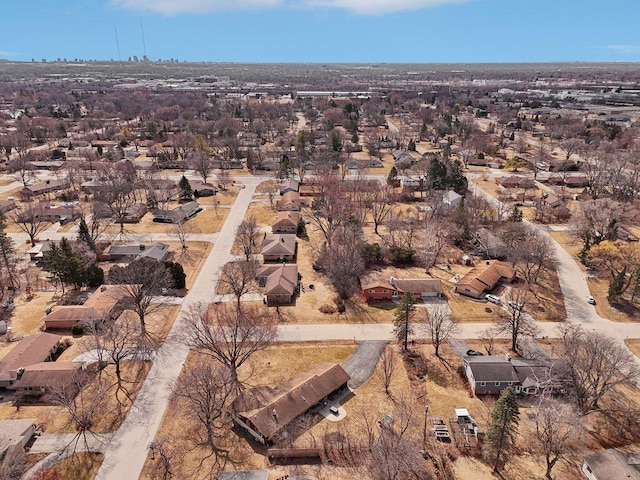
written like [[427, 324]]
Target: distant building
[[279, 247], [32, 349], [178, 214], [484, 278], [157, 251]]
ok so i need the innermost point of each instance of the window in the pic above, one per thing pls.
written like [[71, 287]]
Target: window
[[510, 383], [497, 384], [385, 291], [483, 384], [372, 291]]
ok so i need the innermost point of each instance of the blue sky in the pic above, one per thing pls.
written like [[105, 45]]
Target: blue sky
[[324, 30]]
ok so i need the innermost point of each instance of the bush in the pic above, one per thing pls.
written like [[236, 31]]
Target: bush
[[327, 309], [77, 330], [340, 305], [177, 273], [95, 276]]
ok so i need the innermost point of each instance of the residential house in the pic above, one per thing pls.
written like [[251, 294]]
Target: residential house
[[374, 290], [265, 411], [134, 213], [612, 464], [51, 165], [490, 375], [32, 349], [53, 213], [489, 245], [289, 185], [360, 164], [576, 181], [36, 379], [127, 253], [201, 189], [515, 181], [279, 247], [15, 435], [420, 288], [414, 183], [105, 304], [403, 156], [290, 202], [280, 283], [36, 253], [178, 214], [285, 222], [547, 199], [7, 205], [451, 199], [43, 188], [485, 277]]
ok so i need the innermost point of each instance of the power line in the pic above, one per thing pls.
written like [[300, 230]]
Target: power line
[[117, 41]]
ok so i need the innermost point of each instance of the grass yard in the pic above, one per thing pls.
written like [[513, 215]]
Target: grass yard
[[28, 312], [599, 288], [262, 212], [82, 466], [268, 367], [569, 242], [57, 420], [209, 220], [192, 259], [634, 346]]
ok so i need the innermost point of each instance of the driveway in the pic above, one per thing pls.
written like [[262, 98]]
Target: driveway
[[362, 363]]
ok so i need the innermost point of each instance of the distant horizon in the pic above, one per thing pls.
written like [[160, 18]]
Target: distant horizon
[[323, 31]]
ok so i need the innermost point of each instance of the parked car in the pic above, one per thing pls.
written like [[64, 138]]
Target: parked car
[[492, 298], [591, 300], [474, 353]]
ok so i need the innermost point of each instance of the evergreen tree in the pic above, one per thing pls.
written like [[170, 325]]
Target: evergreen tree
[[616, 287], [8, 262], [393, 176], [177, 274], [437, 173], [66, 264], [186, 192], [515, 215], [403, 316], [95, 276], [411, 146], [503, 427], [84, 235]]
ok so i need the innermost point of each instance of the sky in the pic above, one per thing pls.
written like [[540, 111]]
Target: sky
[[391, 31]]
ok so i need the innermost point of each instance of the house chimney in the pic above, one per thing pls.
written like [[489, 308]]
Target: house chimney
[[275, 414], [508, 357], [142, 247]]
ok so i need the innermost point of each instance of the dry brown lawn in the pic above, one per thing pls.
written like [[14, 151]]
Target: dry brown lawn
[[269, 367], [15, 193], [6, 181], [262, 212], [192, 259], [82, 466], [569, 242], [57, 420], [209, 220], [599, 288], [28, 312], [267, 186], [15, 228], [223, 197], [634, 346]]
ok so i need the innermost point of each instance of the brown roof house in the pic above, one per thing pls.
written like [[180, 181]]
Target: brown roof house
[[484, 278], [376, 290], [36, 379], [280, 283], [279, 247], [134, 213], [285, 222], [289, 185], [105, 304], [47, 186], [33, 349], [7, 205], [264, 411], [290, 201], [612, 464]]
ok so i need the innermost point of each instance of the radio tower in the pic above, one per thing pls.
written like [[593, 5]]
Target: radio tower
[[144, 44], [117, 41]]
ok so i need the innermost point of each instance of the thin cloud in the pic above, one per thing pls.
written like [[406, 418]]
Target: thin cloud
[[625, 49], [5, 53], [175, 7], [362, 7], [375, 7]]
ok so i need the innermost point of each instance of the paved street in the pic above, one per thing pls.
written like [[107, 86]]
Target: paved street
[[127, 450]]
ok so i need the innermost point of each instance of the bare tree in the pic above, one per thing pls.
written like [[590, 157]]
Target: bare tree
[[224, 179], [593, 365], [30, 220], [13, 461], [183, 230], [22, 169], [517, 323], [117, 192], [381, 205], [163, 456], [247, 234], [343, 262], [140, 283], [208, 388], [202, 163], [440, 326], [239, 277], [112, 344], [388, 365], [435, 240], [84, 401], [557, 426], [228, 334]]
